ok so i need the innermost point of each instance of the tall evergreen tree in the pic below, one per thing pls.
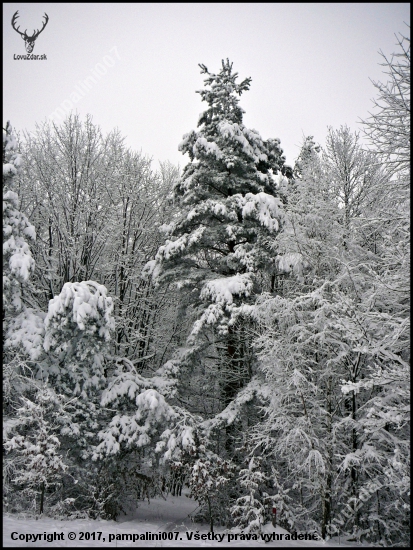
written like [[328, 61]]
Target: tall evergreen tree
[[22, 325], [18, 232], [231, 200]]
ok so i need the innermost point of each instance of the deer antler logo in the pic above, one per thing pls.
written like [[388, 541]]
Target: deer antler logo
[[28, 40]]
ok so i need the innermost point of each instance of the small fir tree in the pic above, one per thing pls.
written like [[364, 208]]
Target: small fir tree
[[250, 511], [207, 477], [78, 328], [35, 449]]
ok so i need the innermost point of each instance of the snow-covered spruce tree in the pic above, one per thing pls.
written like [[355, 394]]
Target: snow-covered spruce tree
[[18, 232], [78, 328], [251, 510], [306, 160], [230, 202], [34, 447], [147, 433], [22, 325], [207, 477]]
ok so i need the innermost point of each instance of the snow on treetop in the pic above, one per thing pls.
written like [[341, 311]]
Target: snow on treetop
[[9, 169], [216, 207], [251, 141], [13, 219], [86, 300], [151, 269], [16, 251], [137, 429], [9, 141], [131, 384], [21, 262], [281, 180], [256, 387], [167, 228], [12, 160], [261, 206], [185, 140], [10, 199]]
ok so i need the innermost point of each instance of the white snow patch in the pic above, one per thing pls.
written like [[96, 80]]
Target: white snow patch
[[9, 170], [173, 514], [81, 302], [26, 330], [292, 262], [223, 290], [265, 208]]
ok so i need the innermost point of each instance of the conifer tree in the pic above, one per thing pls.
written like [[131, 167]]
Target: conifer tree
[[78, 329], [251, 510], [23, 326], [35, 447], [18, 263], [230, 201]]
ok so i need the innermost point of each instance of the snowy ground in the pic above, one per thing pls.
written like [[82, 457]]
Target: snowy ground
[[171, 515]]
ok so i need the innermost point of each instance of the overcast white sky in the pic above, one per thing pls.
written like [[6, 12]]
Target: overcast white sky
[[310, 66]]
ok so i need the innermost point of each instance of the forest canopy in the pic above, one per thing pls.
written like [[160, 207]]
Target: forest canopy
[[240, 327]]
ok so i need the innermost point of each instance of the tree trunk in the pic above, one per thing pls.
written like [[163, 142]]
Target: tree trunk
[[211, 523], [231, 383], [326, 505], [42, 491]]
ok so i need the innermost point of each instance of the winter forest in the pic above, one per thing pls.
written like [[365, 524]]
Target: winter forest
[[237, 329]]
